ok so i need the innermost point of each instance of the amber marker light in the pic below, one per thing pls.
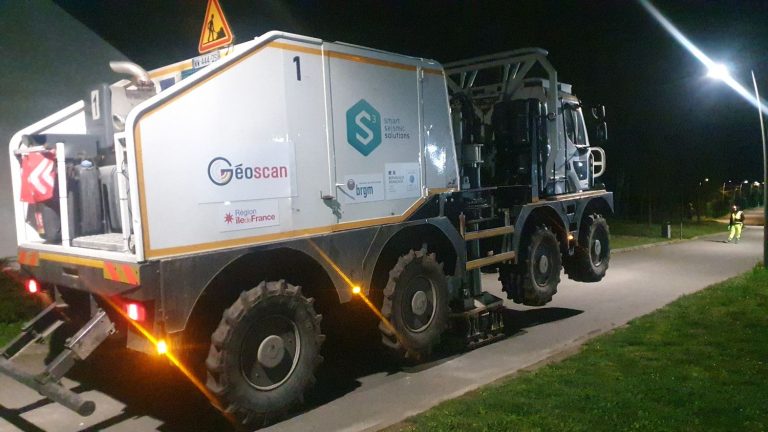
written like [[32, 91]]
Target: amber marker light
[[355, 289], [162, 347]]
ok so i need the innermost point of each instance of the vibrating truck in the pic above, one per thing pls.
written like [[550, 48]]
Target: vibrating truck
[[215, 213]]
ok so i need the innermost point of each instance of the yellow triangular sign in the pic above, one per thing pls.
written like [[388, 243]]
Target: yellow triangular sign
[[216, 32]]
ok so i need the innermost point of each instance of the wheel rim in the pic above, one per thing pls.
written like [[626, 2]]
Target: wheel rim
[[270, 352], [543, 264], [542, 268], [597, 250], [419, 311]]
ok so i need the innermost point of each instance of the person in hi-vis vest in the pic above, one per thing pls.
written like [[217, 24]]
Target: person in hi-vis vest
[[737, 222]]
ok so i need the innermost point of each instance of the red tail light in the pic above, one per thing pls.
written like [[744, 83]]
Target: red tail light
[[32, 286], [136, 311]]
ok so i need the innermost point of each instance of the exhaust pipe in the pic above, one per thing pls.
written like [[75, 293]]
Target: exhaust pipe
[[139, 76]]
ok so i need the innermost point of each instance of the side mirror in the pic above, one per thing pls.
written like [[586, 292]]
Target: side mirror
[[598, 112], [602, 132]]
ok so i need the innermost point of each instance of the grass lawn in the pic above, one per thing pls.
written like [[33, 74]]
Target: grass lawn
[[627, 234], [699, 364], [15, 308], [9, 331]]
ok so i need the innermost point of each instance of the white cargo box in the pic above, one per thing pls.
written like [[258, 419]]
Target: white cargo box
[[286, 136]]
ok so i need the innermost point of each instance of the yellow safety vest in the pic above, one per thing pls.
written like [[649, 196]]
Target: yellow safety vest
[[737, 217]]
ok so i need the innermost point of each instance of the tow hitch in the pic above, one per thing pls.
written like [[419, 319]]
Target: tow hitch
[[78, 347]]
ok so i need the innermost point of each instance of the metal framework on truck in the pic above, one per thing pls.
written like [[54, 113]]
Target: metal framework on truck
[[507, 69], [491, 79], [500, 76]]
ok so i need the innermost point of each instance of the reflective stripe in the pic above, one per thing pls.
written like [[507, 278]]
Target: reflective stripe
[[119, 272], [30, 258], [124, 273]]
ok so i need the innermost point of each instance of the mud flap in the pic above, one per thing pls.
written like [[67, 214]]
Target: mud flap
[[78, 347]]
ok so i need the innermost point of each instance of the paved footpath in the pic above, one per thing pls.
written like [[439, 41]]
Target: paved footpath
[[371, 397], [637, 283]]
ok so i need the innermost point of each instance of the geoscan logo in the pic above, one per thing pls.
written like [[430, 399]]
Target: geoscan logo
[[363, 127], [221, 171]]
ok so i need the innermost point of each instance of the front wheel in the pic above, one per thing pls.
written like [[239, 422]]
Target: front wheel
[[264, 353], [590, 260], [534, 281]]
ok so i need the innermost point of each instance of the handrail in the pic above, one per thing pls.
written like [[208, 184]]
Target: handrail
[[497, 56], [61, 168], [30, 150], [122, 191], [598, 162]]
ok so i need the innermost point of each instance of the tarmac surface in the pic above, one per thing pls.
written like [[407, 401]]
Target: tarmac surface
[[357, 389]]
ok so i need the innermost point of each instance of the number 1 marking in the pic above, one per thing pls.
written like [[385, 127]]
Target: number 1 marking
[[297, 60]]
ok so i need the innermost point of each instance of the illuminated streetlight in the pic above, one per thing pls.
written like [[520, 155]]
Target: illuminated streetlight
[[720, 72]]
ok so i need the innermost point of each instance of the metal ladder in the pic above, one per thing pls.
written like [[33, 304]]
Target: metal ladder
[[77, 347], [482, 321]]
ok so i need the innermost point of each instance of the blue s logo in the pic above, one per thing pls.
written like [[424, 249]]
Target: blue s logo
[[363, 127]]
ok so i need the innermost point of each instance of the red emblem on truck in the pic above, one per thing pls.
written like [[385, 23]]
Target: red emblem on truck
[[38, 177]]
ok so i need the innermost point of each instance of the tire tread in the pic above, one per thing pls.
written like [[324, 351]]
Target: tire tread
[[217, 379]]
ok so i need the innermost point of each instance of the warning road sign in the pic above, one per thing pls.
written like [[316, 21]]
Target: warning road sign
[[216, 32]]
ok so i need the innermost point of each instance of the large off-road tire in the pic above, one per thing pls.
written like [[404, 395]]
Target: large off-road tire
[[415, 306], [264, 353], [590, 260], [540, 274]]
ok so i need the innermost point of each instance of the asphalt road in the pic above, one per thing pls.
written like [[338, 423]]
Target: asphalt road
[[359, 391]]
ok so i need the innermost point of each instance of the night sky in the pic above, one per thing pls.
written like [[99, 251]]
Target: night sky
[[669, 126]]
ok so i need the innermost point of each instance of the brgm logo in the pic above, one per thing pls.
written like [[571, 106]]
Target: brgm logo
[[220, 171], [363, 127]]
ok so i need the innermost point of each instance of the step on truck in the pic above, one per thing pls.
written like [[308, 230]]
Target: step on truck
[[217, 212]]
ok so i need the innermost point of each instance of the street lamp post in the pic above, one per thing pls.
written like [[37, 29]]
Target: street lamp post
[[698, 199], [765, 171], [754, 197], [719, 71], [743, 202]]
